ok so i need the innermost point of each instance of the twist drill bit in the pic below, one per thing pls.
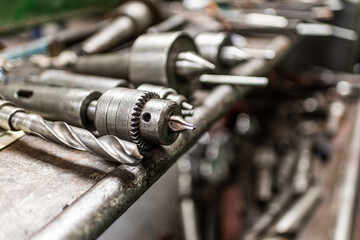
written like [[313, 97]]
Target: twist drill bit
[[130, 114], [108, 147], [167, 59], [218, 48], [135, 17], [102, 84]]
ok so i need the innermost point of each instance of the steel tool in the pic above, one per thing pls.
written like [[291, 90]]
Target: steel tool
[[102, 84], [275, 207], [168, 59], [130, 114], [134, 18], [218, 48], [264, 161], [108, 147], [68, 79], [292, 219]]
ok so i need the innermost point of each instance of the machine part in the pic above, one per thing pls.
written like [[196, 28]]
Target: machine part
[[109, 65], [189, 217], [266, 23], [293, 218], [167, 93], [135, 17], [73, 80], [233, 80], [172, 23], [102, 84], [274, 209], [168, 59], [94, 211], [349, 186], [218, 48], [301, 179], [264, 161], [286, 169], [336, 112], [108, 147], [130, 114], [54, 103]]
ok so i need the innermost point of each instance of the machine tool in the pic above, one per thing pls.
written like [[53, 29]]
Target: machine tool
[[133, 19], [102, 84], [168, 59], [134, 115]]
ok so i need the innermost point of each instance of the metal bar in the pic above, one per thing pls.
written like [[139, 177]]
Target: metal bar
[[100, 206], [349, 187]]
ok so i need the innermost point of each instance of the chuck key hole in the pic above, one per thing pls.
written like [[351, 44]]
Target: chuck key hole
[[24, 94], [146, 117]]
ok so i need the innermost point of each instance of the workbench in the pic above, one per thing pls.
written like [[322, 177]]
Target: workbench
[[52, 192]]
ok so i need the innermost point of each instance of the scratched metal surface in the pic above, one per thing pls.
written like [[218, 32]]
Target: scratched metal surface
[[38, 179]]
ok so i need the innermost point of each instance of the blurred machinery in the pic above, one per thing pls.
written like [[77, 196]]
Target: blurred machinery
[[250, 110]]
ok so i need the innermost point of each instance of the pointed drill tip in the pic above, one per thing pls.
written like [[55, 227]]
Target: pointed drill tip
[[178, 124], [231, 55], [190, 63]]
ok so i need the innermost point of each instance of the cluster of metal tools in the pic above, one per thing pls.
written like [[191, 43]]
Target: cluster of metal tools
[[126, 88]]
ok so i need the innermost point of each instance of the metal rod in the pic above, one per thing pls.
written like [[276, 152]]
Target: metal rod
[[349, 187]]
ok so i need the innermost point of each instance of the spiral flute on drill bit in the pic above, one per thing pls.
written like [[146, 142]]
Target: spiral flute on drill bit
[[108, 147]]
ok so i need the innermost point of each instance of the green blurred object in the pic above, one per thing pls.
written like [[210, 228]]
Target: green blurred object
[[19, 14]]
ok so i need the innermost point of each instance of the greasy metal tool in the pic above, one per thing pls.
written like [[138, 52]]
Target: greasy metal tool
[[108, 147], [102, 84], [168, 59], [68, 79], [133, 115], [133, 19], [218, 48]]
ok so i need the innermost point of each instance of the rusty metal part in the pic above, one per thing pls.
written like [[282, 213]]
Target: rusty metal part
[[107, 147], [94, 211], [73, 80]]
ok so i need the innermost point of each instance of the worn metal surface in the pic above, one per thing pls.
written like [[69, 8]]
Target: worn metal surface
[[91, 214], [38, 179]]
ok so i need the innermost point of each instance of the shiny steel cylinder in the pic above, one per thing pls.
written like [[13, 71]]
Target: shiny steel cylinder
[[210, 45], [108, 65], [55, 103], [138, 116], [135, 17], [72, 80], [152, 60]]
